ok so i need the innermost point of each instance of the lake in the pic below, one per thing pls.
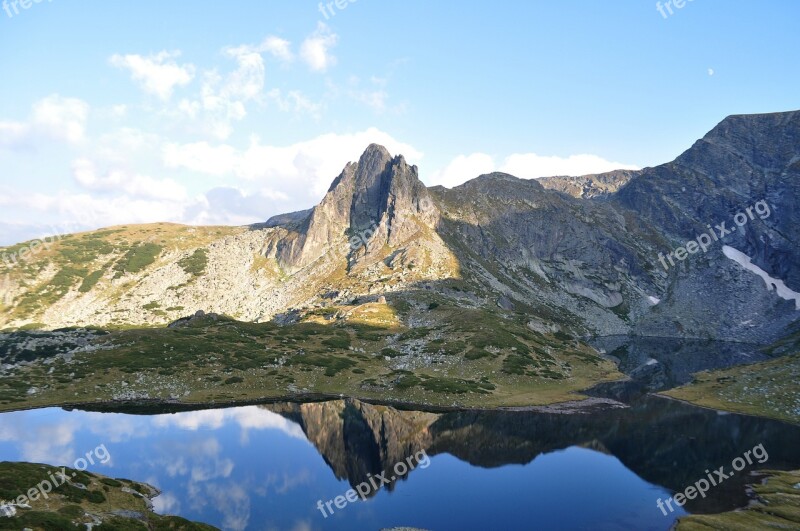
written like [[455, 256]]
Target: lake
[[268, 467]]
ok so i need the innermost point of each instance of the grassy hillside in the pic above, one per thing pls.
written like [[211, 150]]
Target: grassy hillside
[[458, 357], [95, 269]]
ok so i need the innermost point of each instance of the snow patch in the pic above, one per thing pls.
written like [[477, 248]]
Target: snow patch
[[780, 286]]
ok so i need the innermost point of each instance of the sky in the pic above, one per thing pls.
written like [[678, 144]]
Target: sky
[[205, 112]]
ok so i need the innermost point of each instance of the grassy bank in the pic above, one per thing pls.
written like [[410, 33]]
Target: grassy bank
[[777, 506], [768, 389], [83, 499]]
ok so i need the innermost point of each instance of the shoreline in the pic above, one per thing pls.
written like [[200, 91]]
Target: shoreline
[[661, 394], [583, 406]]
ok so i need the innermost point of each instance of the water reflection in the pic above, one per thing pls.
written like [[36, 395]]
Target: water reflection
[[265, 467]]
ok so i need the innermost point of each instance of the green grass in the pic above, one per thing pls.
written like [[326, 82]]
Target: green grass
[[454, 386], [332, 364], [338, 342], [90, 281], [138, 258], [777, 507], [196, 263], [67, 503], [258, 360], [767, 389]]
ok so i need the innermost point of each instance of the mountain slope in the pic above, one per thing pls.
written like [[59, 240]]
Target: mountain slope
[[581, 255]]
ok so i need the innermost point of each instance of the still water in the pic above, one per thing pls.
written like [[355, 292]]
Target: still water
[[267, 467]]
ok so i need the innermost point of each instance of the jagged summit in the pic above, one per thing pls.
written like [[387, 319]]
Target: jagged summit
[[379, 194]]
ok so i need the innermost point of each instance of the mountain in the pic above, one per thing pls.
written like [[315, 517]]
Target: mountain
[[588, 256]]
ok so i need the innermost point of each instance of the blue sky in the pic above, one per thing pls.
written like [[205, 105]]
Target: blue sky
[[209, 112]]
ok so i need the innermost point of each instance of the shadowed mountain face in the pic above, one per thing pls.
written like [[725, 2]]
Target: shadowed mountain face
[[657, 364], [592, 256], [664, 442], [586, 253]]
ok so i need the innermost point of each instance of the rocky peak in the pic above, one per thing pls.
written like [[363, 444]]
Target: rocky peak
[[379, 195]]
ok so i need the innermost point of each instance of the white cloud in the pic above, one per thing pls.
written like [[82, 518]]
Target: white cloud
[[372, 93], [52, 118], [201, 157], [315, 50], [119, 111], [247, 418], [278, 48], [70, 212], [64, 117], [295, 101], [302, 171], [524, 165], [532, 166], [462, 169], [157, 74], [223, 98], [375, 100], [116, 180], [247, 81]]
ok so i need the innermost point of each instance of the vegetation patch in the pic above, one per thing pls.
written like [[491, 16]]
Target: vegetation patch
[[777, 506], [137, 258], [90, 281], [195, 264], [332, 364], [455, 386]]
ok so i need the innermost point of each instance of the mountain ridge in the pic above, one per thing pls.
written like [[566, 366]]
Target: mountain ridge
[[574, 253]]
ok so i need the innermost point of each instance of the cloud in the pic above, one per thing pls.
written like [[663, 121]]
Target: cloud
[[315, 50], [532, 166], [247, 418], [52, 118], [371, 93], [522, 165], [166, 503], [278, 48], [63, 117], [157, 74], [223, 98], [84, 172], [375, 100], [70, 212], [303, 171], [461, 169], [295, 101]]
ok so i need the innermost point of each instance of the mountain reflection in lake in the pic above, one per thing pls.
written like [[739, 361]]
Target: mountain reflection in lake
[[265, 467]]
